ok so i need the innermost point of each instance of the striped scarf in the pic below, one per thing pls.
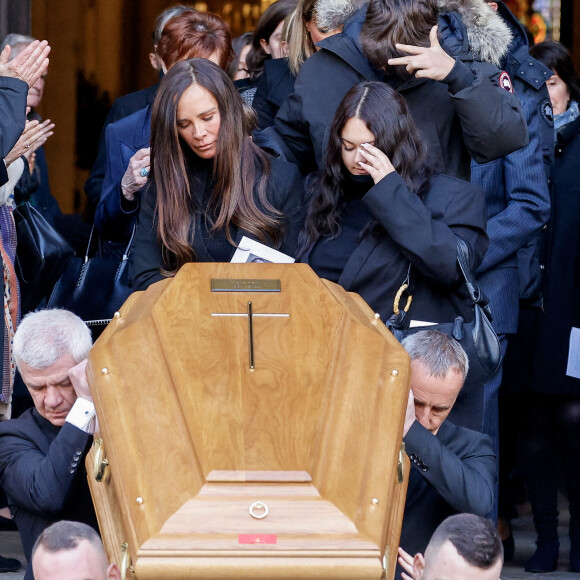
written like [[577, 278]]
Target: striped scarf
[[11, 298]]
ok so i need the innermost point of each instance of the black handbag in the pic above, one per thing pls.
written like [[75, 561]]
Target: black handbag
[[94, 288], [42, 255], [477, 337]]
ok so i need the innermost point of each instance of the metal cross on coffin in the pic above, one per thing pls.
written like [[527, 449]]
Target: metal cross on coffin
[[250, 314]]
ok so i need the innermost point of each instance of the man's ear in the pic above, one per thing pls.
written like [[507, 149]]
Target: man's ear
[[418, 566], [265, 46], [113, 573]]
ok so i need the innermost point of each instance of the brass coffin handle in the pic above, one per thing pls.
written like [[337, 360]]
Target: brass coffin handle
[[401, 464], [125, 561], [101, 464]]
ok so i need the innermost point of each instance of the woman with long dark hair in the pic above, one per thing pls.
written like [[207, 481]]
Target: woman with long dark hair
[[209, 184], [189, 34], [378, 218]]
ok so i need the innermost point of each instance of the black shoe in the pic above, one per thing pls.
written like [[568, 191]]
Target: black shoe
[[9, 564], [545, 558]]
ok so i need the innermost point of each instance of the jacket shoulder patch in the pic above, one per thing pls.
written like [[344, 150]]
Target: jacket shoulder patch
[[547, 112], [505, 82]]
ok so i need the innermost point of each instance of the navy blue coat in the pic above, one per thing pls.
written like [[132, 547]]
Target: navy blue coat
[[115, 216], [451, 472], [516, 186], [122, 107], [43, 474], [13, 93], [468, 115], [274, 86]]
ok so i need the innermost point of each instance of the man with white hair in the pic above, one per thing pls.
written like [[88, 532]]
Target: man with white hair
[[69, 551], [42, 452]]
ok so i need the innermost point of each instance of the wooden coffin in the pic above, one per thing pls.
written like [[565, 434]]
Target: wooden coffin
[[249, 446]]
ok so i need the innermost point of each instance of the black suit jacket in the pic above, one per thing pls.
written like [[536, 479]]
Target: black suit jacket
[[42, 472], [451, 472]]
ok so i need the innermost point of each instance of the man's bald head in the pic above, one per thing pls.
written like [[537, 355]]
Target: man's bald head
[[463, 546], [71, 551]]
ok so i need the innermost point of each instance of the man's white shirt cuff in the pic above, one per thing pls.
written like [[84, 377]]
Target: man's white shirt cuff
[[82, 415]]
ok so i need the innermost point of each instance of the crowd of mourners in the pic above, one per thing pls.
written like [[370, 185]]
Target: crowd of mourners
[[373, 141]]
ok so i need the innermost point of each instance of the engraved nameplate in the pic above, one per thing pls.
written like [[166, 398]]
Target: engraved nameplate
[[244, 285]]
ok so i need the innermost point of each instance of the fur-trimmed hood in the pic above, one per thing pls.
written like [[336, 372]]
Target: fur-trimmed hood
[[489, 36]]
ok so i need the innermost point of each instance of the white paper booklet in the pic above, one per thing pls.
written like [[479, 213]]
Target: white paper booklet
[[252, 251], [573, 369]]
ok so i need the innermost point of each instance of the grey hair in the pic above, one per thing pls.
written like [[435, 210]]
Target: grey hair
[[45, 336], [17, 41], [438, 352], [165, 17], [66, 535], [332, 14]]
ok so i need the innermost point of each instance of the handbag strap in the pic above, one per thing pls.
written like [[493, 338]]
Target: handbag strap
[[98, 237], [88, 252], [128, 248], [473, 289]]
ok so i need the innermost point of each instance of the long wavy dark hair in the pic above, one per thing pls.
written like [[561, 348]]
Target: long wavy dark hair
[[384, 112], [239, 167]]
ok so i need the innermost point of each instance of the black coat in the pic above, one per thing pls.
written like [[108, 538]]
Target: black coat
[[42, 471], [284, 192], [274, 86], [422, 233], [467, 115], [561, 284]]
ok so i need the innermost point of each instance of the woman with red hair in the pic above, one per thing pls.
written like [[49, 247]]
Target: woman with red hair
[[187, 35]]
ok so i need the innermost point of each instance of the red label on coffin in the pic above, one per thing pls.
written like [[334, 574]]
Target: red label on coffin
[[257, 539]]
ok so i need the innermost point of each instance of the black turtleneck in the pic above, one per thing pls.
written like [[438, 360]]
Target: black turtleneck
[[330, 255]]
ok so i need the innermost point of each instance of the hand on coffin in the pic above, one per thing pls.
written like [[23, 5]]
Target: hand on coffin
[[406, 562], [78, 378], [410, 413]]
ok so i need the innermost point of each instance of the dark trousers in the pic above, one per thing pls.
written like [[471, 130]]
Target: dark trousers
[[550, 447]]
